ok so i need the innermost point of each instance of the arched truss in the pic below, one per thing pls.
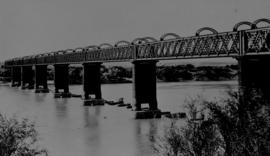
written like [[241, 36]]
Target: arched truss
[[150, 39], [169, 34], [255, 23], [51, 53], [46, 54], [26, 57], [69, 50], [121, 42], [79, 50], [105, 45], [204, 29], [236, 26], [139, 41], [91, 47], [60, 52], [38, 55]]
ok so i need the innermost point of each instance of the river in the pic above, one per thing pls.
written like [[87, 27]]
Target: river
[[67, 128]]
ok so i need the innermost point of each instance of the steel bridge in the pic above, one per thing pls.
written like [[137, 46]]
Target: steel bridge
[[251, 47], [255, 41]]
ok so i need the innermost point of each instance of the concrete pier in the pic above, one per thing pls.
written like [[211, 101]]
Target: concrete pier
[[91, 82], [144, 84], [27, 78], [61, 80], [253, 74], [16, 76], [41, 85]]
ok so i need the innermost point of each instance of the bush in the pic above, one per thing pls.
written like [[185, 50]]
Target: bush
[[238, 126], [195, 139], [244, 122], [18, 138]]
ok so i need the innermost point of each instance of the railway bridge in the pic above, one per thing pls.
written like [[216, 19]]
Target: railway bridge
[[250, 46]]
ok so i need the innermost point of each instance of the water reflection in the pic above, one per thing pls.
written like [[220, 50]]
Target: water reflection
[[40, 97], [90, 119], [61, 108], [146, 132], [91, 130]]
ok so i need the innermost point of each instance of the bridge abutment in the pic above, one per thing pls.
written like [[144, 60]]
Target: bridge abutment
[[144, 84], [16, 76], [27, 74], [91, 82], [41, 79], [253, 75], [61, 80]]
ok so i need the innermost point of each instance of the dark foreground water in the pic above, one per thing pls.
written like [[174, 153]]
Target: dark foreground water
[[67, 128]]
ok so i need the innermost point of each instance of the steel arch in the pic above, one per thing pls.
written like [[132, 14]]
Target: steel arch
[[168, 34]]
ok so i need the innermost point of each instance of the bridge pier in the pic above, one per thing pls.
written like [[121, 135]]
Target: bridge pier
[[41, 79], [92, 83], [27, 74], [144, 85], [253, 75], [61, 80], [16, 76]]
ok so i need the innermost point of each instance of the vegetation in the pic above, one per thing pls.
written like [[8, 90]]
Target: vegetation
[[4, 74], [201, 73], [236, 126], [118, 74], [18, 138]]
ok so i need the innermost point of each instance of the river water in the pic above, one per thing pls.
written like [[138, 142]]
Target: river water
[[67, 128]]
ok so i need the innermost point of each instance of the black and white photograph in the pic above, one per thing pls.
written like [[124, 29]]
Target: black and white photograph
[[134, 78]]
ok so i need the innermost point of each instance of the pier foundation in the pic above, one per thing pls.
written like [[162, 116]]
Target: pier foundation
[[61, 81], [27, 74], [41, 79], [16, 76], [253, 75], [92, 83], [144, 85]]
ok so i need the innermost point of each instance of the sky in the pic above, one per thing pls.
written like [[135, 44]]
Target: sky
[[37, 26]]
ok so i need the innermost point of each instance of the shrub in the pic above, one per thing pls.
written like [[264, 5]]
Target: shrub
[[195, 139], [244, 122], [18, 138], [238, 126]]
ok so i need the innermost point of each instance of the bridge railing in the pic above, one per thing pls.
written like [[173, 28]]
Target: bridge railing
[[121, 53], [222, 44], [70, 56], [45, 58], [257, 41]]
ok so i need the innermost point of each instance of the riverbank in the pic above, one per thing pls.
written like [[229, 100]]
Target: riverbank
[[177, 73], [172, 73]]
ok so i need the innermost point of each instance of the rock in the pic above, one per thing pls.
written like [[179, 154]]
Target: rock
[[179, 115], [120, 102], [129, 106], [122, 105], [76, 95], [165, 113], [93, 102], [150, 114], [42, 90]]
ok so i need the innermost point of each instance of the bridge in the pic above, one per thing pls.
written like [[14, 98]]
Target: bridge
[[251, 47]]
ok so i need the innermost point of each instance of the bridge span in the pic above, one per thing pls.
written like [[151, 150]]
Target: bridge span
[[251, 47]]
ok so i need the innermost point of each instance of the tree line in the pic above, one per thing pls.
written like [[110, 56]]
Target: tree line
[[177, 73]]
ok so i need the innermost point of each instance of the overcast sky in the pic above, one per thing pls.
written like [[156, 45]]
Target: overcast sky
[[37, 26]]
